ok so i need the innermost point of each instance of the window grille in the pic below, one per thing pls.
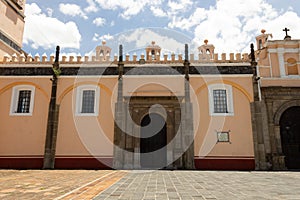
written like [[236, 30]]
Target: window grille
[[24, 101], [88, 101], [220, 101]]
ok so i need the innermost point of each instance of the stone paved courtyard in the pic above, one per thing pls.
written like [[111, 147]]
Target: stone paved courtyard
[[84, 184]]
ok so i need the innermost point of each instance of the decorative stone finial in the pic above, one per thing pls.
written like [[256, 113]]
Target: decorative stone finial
[[252, 54], [103, 42], [121, 53], [206, 41], [153, 42], [263, 31], [57, 54], [186, 52]]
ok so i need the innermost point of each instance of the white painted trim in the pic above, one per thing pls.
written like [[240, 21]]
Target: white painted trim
[[78, 103], [15, 98], [271, 68], [220, 64], [286, 78], [153, 76], [283, 50], [229, 94], [281, 62], [25, 77], [220, 75], [90, 77]]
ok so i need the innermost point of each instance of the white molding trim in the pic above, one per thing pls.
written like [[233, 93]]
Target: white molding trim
[[15, 98], [229, 98], [78, 102], [283, 50]]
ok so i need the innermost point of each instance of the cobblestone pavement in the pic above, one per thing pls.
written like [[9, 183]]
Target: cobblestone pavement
[[187, 185], [146, 185]]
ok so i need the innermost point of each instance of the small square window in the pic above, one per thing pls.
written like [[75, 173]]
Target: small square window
[[22, 100], [223, 136]]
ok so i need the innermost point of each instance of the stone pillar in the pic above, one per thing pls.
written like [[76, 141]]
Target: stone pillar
[[187, 119], [119, 135]]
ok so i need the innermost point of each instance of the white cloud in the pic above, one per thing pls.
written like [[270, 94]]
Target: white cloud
[[112, 23], [99, 21], [141, 38], [92, 7], [47, 32], [158, 12], [179, 5], [49, 12], [231, 25], [129, 8], [290, 20], [106, 37], [72, 10]]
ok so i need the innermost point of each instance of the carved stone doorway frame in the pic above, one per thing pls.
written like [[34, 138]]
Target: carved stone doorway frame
[[139, 107]]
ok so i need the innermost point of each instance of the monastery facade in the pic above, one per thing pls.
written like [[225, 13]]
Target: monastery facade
[[152, 111]]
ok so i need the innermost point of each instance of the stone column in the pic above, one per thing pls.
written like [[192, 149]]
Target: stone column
[[119, 135], [187, 119]]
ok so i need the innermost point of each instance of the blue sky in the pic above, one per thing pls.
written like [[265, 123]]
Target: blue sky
[[79, 26]]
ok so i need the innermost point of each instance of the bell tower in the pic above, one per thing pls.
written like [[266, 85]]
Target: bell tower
[[262, 39], [152, 51]]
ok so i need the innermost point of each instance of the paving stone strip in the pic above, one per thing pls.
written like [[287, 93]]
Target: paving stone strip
[[90, 190], [44, 184]]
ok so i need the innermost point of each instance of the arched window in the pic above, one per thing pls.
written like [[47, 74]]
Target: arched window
[[101, 52], [260, 46], [153, 54], [292, 68]]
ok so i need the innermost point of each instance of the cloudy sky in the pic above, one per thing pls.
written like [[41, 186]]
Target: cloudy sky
[[79, 26]]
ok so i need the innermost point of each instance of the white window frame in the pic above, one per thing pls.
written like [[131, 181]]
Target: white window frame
[[79, 95], [229, 98], [15, 98]]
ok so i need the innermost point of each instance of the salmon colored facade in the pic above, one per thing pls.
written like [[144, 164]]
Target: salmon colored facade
[[277, 109], [221, 140], [205, 111]]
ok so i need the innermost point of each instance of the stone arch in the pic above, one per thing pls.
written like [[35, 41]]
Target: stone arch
[[9, 86], [72, 87], [138, 117], [283, 108], [234, 85], [292, 68]]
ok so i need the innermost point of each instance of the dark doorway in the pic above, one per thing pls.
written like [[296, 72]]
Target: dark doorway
[[290, 137], [153, 142]]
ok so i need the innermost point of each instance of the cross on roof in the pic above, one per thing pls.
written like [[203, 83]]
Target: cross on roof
[[286, 31]]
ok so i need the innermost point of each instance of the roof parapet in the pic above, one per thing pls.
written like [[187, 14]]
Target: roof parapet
[[165, 58]]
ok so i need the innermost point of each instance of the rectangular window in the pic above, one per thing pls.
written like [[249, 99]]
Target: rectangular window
[[220, 101], [24, 101], [88, 101]]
